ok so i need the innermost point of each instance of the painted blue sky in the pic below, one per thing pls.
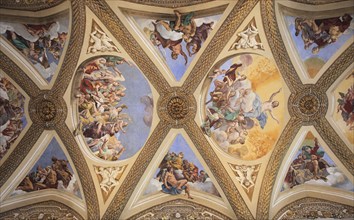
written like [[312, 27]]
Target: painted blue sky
[[177, 67], [136, 132], [325, 53], [45, 160]]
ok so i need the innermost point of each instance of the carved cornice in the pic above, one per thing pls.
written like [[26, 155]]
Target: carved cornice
[[179, 209], [169, 3], [317, 2], [29, 5], [42, 210], [313, 208]]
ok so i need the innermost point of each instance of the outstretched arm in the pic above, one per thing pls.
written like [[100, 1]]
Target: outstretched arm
[[185, 57], [273, 95], [271, 114]]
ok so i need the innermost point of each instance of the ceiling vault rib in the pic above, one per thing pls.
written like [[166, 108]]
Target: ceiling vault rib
[[336, 69], [82, 169], [127, 41], [73, 51], [278, 48], [18, 75], [217, 43], [335, 143], [121, 198], [209, 156], [19, 154], [273, 166]]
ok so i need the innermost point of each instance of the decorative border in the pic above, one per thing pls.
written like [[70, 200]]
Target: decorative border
[[57, 210], [179, 205], [29, 5], [155, 77], [313, 203], [317, 2], [169, 3]]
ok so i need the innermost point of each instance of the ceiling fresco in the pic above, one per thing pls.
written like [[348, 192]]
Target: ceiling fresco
[[176, 109]]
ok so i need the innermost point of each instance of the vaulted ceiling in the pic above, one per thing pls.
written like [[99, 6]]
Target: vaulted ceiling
[[60, 78]]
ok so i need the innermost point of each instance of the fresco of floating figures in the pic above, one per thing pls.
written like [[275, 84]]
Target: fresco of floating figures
[[344, 112], [245, 106], [180, 171], [42, 43], [13, 119], [115, 107], [178, 39], [52, 171], [316, 40], [312, 165]]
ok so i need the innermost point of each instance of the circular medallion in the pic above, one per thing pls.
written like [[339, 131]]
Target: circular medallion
[[309, 104], [114, 105], [177, 108], [244, 106], [46, 110]]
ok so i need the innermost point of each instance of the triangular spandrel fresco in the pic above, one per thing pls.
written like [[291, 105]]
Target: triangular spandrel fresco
[[100, 41], [178, 38], [316, 40], [179, 171], [13, 118], [51, 171], [343, 114], [42, 42], [108, 178], [312, 165], [246, 175]]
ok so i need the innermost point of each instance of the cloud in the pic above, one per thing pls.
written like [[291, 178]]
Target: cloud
[[154, 186]]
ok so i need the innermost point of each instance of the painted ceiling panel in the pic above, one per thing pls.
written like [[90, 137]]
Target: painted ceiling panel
[[175, 109]]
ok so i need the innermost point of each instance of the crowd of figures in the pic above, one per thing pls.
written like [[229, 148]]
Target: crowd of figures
[[346, 106], [308, 165], [100, 108], [170, 34], [321, 32], [175, 173], [36, 42], [48, 177], [11, 114], [234, 108]]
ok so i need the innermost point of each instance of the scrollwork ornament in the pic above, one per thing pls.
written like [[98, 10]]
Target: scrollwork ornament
[[30, 5], [311, 208], [42, 210], [179, 209]]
